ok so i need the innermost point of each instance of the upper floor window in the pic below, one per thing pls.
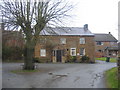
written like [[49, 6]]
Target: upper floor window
[[100, 43], [82, 40], [73, 51], [63, 41], [42, 40], [43, 52]]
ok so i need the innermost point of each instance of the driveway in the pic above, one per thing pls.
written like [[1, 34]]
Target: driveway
[[57, 76]]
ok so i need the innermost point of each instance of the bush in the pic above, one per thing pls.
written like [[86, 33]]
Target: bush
[[41, 60], [85, 59], [12, 53], [71, 58], [37, 60]]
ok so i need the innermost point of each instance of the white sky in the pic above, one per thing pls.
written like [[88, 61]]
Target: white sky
[[100, 15]]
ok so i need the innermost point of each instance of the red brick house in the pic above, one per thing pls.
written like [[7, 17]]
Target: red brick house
[[12, 39], [65, 42], [105, 45]]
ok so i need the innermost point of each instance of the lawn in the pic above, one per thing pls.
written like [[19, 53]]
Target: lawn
[[104, 59], [111, 78], [24, 71]]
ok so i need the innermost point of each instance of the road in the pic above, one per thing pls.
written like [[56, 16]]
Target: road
[[57, 76]]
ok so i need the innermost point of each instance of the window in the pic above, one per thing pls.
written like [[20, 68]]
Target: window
[[73, 52], [63, 40], [99, 43], [43, 40], [54, 52], [82, 51], [82, 40], [43, 52]]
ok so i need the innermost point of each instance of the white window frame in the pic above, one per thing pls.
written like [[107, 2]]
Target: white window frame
[[82, 40], [71, 51], [83, 52], [42, 52], [62, 40]]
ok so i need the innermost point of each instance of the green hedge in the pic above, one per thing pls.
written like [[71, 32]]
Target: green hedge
[[12, 53]]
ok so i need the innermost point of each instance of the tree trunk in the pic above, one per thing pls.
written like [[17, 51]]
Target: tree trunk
[[28, 54]]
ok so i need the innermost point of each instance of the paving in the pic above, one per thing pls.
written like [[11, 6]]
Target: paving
[[57, 75]]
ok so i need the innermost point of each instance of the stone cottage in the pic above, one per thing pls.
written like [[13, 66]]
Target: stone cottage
[[57, 44]]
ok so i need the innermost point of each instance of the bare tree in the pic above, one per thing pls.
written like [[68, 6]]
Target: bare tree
[[31, 18]]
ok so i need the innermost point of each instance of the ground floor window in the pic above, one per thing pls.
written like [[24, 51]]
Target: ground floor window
[[82, 51], [43, 52], [73, 51], [54, 52]]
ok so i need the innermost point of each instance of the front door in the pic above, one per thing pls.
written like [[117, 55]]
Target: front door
[[58, 55]]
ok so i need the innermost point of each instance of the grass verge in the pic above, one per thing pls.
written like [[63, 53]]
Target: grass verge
[[104, 59], [112, 78], [13, 61], [24, 71]]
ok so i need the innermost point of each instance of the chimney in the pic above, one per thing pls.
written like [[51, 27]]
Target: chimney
[[86, 27], [109, 32]]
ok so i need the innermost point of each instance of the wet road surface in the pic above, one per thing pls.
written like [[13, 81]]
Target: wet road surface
[[57, 76]]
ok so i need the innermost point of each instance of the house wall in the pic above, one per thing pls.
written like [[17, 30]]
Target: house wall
[[71, 42], [102, 47]]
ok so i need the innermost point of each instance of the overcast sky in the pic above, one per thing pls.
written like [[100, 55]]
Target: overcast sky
[[100, 15]]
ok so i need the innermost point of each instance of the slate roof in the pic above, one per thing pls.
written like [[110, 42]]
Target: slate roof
[[66, 31], [105, 38]]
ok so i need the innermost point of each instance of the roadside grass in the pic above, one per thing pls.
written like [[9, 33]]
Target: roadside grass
[[112, 78], [13, 61], [24, 71], [104, 59]]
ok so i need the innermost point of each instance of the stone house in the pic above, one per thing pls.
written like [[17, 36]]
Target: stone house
[[105, 45], [57, 44]]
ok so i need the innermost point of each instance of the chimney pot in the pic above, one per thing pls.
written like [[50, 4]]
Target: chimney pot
[[86, 27]]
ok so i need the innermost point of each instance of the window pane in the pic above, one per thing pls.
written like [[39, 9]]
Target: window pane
[[54, 52], [73, 52], [82, 40], [42, 52], [99, 43], [82, 51], [63, 40]]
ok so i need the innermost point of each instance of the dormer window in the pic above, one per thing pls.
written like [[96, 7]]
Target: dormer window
[[82, 40], [63, 41]]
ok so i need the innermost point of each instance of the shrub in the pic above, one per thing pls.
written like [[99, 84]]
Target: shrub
[[85, 59], [12, 53], [36, 59], [41, 60], [71, 58]]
